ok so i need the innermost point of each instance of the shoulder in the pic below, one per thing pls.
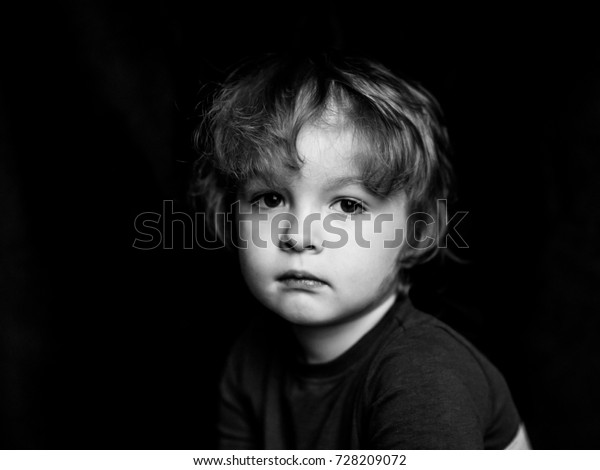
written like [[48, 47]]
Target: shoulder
[[241, 387], [422, 348], [427, 375], [253, 350]]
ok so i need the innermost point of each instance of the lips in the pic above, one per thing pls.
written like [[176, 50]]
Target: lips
[[301, 280]]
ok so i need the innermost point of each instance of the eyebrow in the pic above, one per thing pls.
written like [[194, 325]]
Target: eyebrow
[[278, 182], [262, 182], [342, 181]]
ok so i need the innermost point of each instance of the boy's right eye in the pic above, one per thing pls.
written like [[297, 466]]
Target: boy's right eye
[[268, 200]]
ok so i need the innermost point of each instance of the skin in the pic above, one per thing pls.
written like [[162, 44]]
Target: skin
[[356, 284]]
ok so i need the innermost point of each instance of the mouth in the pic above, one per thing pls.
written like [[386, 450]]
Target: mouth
[[301, 280]]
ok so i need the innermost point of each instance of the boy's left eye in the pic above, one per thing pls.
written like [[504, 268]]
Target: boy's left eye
[[349, 206]]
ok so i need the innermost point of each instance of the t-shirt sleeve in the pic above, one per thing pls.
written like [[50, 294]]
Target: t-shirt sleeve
[[433, 393]]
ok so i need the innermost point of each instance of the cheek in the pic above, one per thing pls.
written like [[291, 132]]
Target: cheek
[[380, 240], [385, 239], [360, 265], [250, 264], [256, 237], [258, 263], [253, 260], [246, 265]]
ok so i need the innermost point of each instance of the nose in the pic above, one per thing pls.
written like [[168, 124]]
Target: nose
[[303, 235]]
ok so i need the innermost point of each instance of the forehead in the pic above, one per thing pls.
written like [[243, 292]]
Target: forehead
[[328, 154], [329, 150]]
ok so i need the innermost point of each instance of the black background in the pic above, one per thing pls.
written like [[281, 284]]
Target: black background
[[106, 346]]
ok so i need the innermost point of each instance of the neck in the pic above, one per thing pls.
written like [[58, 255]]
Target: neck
[[327, 342]]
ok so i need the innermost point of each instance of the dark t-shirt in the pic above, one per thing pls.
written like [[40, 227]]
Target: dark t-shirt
[[410, 383]]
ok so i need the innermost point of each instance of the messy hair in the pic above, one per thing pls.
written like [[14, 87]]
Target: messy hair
[[251, 126]]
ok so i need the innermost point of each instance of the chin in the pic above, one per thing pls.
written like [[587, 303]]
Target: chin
[[311, 317], [300, 317], [303, 316]]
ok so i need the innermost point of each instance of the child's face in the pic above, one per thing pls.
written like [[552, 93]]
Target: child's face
[[297, 275]]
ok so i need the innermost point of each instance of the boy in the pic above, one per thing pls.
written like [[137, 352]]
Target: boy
[[333, 168]]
